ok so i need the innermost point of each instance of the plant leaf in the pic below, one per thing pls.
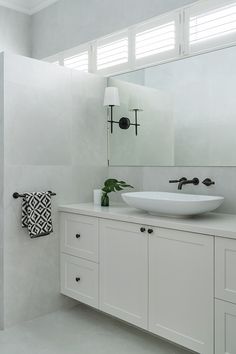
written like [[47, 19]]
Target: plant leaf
[[118, 188], [110, 181], [113, 185]]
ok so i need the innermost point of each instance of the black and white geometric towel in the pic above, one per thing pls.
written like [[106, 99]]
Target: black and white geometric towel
[[37, 213]]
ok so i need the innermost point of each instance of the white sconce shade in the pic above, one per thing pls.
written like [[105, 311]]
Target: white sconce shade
[[111, 97], [135, 103]]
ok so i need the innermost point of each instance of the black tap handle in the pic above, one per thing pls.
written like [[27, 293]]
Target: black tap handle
[[195, 181], [208, 182]]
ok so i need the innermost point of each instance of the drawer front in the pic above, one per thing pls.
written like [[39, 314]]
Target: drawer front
[[225, 267], [79, 236], [225, 327], [79, 279]]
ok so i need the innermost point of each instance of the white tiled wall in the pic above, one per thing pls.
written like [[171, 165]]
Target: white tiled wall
[[54, 140]]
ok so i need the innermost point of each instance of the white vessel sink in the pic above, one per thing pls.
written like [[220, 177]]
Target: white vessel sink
[[174, 204]]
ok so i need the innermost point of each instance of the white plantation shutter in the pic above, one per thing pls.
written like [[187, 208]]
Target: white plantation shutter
[[78, 61], [157, 40], [113, 52], [211, 25]]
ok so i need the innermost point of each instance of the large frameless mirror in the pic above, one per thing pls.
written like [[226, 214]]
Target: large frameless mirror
[[185, 111]]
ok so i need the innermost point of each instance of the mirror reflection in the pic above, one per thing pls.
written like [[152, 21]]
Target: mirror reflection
[[186, 110]]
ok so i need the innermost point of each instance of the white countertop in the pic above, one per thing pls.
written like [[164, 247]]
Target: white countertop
[[216, 224]]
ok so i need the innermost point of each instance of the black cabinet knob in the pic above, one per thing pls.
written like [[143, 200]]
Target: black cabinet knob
[[150, 231], [77, 235], [77, 279], [142, 229]]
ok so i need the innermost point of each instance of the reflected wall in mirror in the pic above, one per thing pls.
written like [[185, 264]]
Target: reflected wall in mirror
[[188, 117]]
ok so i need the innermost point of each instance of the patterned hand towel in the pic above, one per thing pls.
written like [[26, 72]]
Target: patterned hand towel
[[37, 213]]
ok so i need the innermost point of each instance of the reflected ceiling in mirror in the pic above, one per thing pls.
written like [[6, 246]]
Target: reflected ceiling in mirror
[[187, 113]]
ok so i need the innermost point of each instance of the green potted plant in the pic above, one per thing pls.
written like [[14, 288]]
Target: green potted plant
[[112, 185]]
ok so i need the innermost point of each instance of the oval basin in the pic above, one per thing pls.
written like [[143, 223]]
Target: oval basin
[[173, 204]]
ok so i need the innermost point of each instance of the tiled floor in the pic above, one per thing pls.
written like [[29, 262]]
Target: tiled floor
[[80, 331]]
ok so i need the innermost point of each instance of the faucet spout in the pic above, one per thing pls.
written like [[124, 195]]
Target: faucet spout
[[194, 181]]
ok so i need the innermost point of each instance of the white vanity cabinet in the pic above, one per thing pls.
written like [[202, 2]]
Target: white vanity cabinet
[[124, 271], [176, 278], [181, 288]]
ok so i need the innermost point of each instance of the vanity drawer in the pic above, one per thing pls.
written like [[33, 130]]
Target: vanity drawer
[[225, 269], [79, 279], [79, 236]]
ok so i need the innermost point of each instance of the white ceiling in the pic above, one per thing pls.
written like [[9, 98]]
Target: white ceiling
[[27, 6]]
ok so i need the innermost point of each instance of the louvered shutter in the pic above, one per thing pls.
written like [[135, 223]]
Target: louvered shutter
[[157, 40], [112, 53], [78, 61], [211, 24]]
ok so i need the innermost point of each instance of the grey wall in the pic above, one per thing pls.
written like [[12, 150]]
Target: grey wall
[[1, 187], [54, 139], [15, 34], [69, 23], [157, 179]]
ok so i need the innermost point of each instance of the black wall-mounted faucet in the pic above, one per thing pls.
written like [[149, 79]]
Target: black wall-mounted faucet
[[194, 181], [182, 181], [178, 180]]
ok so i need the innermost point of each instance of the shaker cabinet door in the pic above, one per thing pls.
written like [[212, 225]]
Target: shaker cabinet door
[[181, 296], [225, 327], [225, 268], [124, 271]]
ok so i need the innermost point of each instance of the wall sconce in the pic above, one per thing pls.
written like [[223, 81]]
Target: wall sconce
[[135, 106], [111, 99], [124, 123]]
